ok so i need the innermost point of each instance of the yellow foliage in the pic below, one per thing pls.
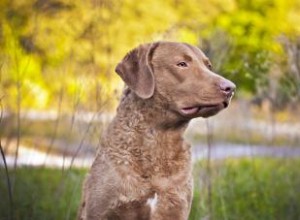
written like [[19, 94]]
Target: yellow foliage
[[74, 45]]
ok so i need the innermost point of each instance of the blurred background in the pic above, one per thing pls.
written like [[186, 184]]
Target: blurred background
[[58, 91]]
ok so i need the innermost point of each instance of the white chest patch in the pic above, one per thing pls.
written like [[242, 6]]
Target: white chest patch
[[152, 202]]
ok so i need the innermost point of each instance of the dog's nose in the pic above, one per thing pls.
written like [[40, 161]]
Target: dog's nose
[[227, 87]]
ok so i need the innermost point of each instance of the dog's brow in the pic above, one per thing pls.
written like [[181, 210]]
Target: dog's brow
[[206, 60], [187, 57]]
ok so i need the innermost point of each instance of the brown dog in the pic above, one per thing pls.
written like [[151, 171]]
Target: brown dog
[[143, 167]]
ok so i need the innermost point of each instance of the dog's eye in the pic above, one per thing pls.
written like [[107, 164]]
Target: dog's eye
[[208, 64], [182, 64]]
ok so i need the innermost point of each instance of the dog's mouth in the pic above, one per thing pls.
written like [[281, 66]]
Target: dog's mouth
[[203, 110]]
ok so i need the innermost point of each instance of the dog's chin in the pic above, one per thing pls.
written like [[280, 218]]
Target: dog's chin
[[204, 111]]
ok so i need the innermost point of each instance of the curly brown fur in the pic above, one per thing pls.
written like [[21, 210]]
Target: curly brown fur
[[142, 169]]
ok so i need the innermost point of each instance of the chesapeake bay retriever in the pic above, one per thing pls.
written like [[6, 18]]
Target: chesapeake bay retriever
[[142, 170]]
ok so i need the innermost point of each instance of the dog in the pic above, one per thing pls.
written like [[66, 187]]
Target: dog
[[142, 170]]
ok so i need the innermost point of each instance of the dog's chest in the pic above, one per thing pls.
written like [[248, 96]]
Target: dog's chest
[[160, 155]]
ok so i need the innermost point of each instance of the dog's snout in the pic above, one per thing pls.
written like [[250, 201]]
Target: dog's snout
[[227, 87]]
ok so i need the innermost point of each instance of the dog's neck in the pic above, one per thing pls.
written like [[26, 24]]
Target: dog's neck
[[152, 113], [143, 132]]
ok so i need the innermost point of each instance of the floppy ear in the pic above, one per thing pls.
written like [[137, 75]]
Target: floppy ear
[[136, 71]]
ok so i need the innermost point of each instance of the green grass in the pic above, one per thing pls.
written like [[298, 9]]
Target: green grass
[[41, 194], [247, 137], [241, 189], [248, 189]]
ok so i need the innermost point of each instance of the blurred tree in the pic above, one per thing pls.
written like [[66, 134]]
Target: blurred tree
[[247, 37], [288, 91], [245, 44], [65, 51]]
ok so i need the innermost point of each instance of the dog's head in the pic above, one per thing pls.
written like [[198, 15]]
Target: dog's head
[[181, 74]]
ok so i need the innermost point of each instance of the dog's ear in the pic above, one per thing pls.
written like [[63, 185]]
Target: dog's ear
[[136, 71]]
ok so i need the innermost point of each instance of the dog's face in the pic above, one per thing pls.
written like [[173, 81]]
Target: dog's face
[[180, 73]]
